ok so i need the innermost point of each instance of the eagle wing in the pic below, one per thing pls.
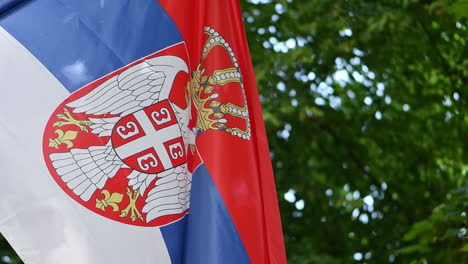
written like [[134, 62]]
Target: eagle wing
[[86, 170], [137, 87], [170, 193]]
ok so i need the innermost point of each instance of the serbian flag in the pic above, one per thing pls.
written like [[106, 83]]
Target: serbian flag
[[131, 132]]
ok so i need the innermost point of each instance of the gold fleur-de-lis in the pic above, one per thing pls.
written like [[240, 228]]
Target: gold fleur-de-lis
[[111, 200], [63, 138]]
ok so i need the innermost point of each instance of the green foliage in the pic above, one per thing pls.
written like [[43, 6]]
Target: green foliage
[[443, 236], [7, 255], [459, 9], [365, 106]]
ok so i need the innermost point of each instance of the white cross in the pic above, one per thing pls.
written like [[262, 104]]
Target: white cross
[[153, 138]]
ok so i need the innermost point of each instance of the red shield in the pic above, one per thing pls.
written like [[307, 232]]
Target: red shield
[[150, 140]]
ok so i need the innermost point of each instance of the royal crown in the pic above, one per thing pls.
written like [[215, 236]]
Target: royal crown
[[207, 90]]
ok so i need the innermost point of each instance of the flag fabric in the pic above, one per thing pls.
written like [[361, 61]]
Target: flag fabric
[[131, 132]]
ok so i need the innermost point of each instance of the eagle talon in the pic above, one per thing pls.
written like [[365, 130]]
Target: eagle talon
[[68, 119], [131, 207]]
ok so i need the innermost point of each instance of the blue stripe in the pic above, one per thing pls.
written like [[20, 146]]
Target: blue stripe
[[81, 41], [174, 237], [210, 236], [6, 5]]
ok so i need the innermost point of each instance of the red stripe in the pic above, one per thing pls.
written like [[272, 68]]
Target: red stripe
[[241, 169]]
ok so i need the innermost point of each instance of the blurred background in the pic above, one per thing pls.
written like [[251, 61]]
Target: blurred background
[[365, 107]]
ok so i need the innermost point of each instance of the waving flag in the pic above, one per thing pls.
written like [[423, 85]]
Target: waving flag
[[131, 132]]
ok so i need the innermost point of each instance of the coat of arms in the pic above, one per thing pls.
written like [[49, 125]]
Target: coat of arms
[[120, 145]]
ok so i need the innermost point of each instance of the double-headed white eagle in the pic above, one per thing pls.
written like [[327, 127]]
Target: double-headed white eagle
[[86, 171]]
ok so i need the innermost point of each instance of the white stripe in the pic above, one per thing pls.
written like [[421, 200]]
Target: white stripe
[[42, 223]]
